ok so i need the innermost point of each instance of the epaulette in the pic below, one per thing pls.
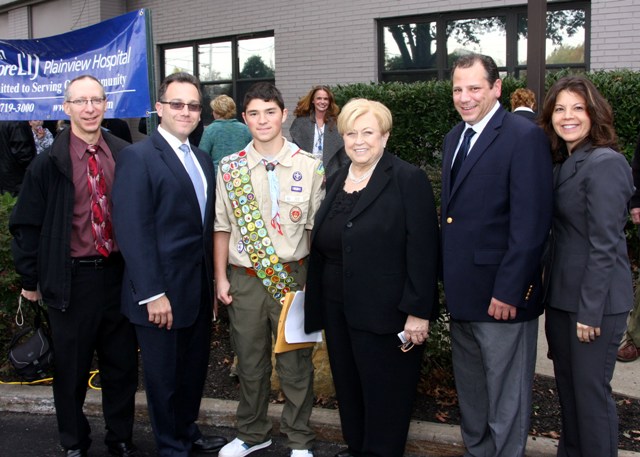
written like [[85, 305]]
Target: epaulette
[[307, 154]]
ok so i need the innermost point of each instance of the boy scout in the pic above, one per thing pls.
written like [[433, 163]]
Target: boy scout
[[266, 199]]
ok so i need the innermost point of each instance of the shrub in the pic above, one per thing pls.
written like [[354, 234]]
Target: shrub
[[9, 280]]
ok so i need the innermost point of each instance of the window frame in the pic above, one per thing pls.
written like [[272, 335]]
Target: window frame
[[511, 13], [236, 82]]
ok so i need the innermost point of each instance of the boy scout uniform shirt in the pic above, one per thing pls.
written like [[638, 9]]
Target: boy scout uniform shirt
[[300, 178]]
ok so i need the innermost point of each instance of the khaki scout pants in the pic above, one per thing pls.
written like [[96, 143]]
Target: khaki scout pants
[[254, 316]]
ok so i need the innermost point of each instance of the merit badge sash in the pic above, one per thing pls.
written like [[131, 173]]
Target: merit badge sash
[[255, 240]]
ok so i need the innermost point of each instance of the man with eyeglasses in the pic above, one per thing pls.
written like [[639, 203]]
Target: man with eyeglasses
[[67, 257], [163, 217]]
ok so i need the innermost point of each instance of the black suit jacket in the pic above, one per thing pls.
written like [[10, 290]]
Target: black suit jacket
[[390, 251], [160, 232]]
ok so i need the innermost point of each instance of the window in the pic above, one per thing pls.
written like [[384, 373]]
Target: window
[[424, 47], [224, 66]]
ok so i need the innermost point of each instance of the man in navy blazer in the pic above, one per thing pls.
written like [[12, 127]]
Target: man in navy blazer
[[496, 215], [163, 217]]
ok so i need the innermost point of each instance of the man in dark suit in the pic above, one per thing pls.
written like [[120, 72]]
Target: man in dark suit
[[78, 274], [163, 216], [496, 215]]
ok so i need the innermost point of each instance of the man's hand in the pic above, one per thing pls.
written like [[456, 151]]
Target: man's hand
[[635, 215], [222, 291], [160, 312], [31, 295], [501, 310]]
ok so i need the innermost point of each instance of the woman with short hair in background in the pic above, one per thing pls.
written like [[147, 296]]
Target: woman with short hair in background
[[225, 135]]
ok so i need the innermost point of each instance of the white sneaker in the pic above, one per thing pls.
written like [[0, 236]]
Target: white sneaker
[[301, 453], [238, 448]]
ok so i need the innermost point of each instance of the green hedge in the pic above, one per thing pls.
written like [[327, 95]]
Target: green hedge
[[423, 112]]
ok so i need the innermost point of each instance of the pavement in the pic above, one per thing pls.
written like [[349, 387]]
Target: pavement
[[18, 404]]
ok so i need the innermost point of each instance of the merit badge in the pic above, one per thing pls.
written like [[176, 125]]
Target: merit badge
[[226, 177], [320, 169], [297, 176], [295, 214], [296, 189]]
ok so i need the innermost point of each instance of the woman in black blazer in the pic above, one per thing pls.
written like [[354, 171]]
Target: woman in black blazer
[[373, 275], [589, 283]]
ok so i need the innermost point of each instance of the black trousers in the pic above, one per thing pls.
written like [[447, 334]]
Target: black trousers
[[375, 385], [175, 366], [93, 324]]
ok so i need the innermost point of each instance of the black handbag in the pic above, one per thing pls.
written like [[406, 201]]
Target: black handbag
[[30, 349]]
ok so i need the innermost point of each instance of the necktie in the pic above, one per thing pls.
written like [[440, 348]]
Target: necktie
[[196, 179], [462, 154], [100, 213], [274, 193]]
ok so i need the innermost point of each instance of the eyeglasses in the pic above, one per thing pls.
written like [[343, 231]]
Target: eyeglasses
[[83, 101], [179, 106], [406, 347]]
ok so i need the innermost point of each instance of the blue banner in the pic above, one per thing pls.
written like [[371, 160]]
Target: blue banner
[[35, 73]]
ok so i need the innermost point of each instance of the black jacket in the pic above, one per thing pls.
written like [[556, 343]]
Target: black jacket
[[390, 251], [17, 150], [41, 221]]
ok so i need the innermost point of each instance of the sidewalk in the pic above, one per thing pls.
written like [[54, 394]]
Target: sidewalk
[[626, 377], [425, 439]]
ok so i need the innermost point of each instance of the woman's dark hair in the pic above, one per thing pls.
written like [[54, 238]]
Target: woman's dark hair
[[602, 132]]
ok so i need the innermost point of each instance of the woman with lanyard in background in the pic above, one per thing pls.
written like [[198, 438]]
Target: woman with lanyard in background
[[315, 130]]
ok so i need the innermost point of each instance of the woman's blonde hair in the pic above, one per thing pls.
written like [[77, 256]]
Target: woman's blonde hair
[[224, 107], [357, 107]]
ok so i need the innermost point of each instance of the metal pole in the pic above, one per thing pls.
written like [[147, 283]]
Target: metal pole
[[536, 44]]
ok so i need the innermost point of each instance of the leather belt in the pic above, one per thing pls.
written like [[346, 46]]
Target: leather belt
[[96, 262]]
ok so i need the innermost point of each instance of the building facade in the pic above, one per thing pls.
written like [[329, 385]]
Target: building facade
[[230, 45]]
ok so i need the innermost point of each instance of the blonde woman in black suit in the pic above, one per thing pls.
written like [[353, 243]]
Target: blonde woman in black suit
[[590, 292], [372, 275]]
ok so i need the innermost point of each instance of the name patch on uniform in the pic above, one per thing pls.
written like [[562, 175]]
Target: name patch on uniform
[[293, 198], [296, 189]]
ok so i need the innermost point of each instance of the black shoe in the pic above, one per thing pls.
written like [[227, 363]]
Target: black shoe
[[344, 453], [76, 453], [123, 449], [208, 444]]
